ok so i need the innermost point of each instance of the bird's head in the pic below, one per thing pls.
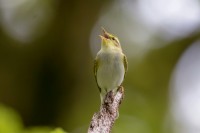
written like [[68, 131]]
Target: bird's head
[[109, 41]]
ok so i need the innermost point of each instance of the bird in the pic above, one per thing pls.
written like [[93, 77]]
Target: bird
[[110, 65]]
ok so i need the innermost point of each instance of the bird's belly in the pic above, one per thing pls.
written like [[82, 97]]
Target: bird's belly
[[110, 75]]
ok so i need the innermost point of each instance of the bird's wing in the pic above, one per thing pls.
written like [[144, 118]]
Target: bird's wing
[[125, 64], [96, 65]]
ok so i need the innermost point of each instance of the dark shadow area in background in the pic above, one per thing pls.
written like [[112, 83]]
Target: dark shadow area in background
[[47, 95]]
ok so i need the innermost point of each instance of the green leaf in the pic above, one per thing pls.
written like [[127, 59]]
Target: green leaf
[[58, 130], [10, 121]]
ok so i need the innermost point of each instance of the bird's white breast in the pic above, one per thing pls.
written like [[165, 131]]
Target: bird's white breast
[[110, 73]]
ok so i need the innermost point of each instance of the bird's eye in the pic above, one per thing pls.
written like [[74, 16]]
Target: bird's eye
[[113, 38]]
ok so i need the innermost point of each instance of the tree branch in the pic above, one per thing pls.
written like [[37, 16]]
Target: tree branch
[[103, 120]]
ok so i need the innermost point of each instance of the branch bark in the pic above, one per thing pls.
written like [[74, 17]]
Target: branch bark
[[103, 120]]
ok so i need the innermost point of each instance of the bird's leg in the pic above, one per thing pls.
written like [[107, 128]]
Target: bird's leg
[[121, 89]]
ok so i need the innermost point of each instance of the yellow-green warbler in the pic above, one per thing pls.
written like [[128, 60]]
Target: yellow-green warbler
[[110, 65]]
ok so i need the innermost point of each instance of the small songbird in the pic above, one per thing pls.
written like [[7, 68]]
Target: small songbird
[[110, 65]]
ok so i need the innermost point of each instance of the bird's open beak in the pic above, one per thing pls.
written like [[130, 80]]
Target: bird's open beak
[[103, 30], [105, 33], [103, 39]]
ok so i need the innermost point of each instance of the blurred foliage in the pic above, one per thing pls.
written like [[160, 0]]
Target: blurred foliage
[[37, 130], [43, 130], [10, 122], [58, 130], [46, 66]]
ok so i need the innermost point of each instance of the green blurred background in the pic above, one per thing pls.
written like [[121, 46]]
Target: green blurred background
[[47, 50]]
